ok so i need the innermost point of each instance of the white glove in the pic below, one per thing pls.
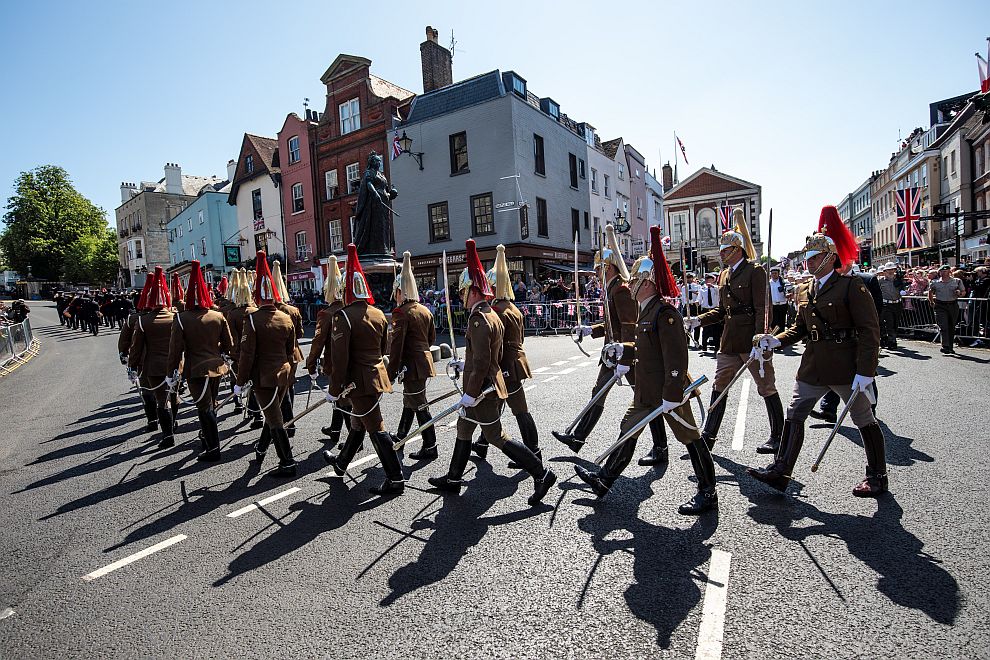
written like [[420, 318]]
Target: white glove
[[132, 376], [331, 398], [170, 381], [468, 401], [904, 292], [668, 406], [766, 342], [583, 330], [614, 351], [691, 323], [863, 384], [621, 370], [456, 364]]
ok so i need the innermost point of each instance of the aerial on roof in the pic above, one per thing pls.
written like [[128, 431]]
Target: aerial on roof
[[460, 95]]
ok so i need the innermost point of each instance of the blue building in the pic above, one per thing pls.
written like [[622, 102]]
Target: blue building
[[205, 230]]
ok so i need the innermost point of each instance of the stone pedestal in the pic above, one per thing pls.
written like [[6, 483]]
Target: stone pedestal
[[380, 271]]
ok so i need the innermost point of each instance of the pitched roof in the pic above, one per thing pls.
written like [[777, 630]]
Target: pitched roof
[[191, 185], [611, 147], [342, 64], [384, 89], [454, 97], [707, 181], [266, 149]]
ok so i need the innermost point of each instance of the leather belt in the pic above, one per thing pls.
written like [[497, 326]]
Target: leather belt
[[891, 302], [838, 336]]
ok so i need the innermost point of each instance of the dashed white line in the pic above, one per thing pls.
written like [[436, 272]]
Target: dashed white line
[[585, 364], [559, 362], [551, 378], [7, 612], [541, 370], [260, 503], [133, 558], [575, 357], [740, 430], [527, 389], [712, 628]]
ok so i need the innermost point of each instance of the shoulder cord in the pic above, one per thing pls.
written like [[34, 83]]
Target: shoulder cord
[[498, 417]]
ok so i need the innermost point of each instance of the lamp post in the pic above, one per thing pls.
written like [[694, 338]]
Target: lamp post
[[405, 143]]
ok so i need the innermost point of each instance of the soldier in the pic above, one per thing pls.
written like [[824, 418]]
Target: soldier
[[357, 343], [893, 305], [268, 343], [838, 318], [661, 376], [61, 302], [149, 354], [123, 310], [410, 358], [201, 335], [333, 294], [514, 365], [619, 329], [742, 307], [124, 346], [223, 303], [175, 290], [297, 356], [482, 369], [243, 300]]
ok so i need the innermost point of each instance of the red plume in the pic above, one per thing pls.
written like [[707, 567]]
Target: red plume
[[223, 286], [476, 271], [662, 277], [142, 303], [830, 224], [264, 284], [354, 271], [198, 294], [158, 292], [175, 292]]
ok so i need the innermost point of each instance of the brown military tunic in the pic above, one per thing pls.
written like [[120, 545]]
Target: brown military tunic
[[623, 311], [297, 323], [149, 351], [357, 343], [201, 336], [482, 369], [741, 306], [317, 348], [127, 334], [413, 333], [514, 365]]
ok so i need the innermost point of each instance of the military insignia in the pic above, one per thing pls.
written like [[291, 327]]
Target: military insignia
[[674, 373], [670, 321], [863, 289], [477, 323]]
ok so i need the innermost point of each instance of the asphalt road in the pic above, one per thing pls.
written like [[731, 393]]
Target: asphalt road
[[327, 570]]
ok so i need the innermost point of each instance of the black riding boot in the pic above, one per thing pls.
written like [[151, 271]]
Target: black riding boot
[[261, 446], [394, 483], [778, 474], [775, 411], [333, 431], [530, 437], [428, 450], [658, 453], [287, 413], [458, 461], [585, 425], [150, 411], [254, 409], [211, 436], [168, 430], [714, 420], [704, 469], [602, 479], [875, 482], [544, 478], [339, 463], [405, 422], [286, 463], [173, 404]]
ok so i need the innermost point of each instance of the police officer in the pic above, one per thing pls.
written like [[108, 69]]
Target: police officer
[[943, 293]]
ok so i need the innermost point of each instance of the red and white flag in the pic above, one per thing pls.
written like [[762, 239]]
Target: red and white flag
[[396, 147], [984, 68], [683, 151]]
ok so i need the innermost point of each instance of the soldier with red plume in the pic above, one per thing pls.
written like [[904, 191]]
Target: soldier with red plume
[[176, 293], [124, 347], [333, 294], [297, 323], [242, 298]]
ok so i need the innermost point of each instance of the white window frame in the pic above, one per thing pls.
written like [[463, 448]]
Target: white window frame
[[182, 254], [607, 193], [180, 231], [622, 172], [336, 236], [333, 191], [353, 176], [594, 180], [189, 220], [294, 152], [202, 246], [350, 116], [298, 187], [301, 248], [202, 216]]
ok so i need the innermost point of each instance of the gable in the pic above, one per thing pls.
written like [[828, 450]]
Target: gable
[[343, 65], [706, 182]]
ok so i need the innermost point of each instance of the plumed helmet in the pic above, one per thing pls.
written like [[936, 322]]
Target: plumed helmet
[[198, 294], [819, 244], [611, 254], [405, 281], [333, 287], [498, 276], [741, 227], [158, 292], [142, 303], [244, 287], [355, 283], [223, 286], [175, 290], [831, 225], [654, 268], [265, 291], [279, 281], [731, 239], [473, 275]]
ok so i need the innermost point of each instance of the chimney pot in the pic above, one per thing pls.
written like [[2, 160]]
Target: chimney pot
[[437, 63]]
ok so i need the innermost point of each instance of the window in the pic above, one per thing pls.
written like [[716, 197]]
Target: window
[[594, 180], [952, 161], [979, 161], [261, 241], [622, 172], [639, 207], [139, 249], [297, 198], [539, 155], [301, 251], [336, 238], [182, 254], [572, 167], [249, 163], [294, 155], [542, 225], [331, 178], [458, 153], [482, 219], [586, 220], [608, 195], [519, 86], [581, 171], [202, 246], [678, 226], [192, 251], [201, 217], [353, 177], [189, 221], [350, 116], [439, 222], [259, 214], [180, 230], [924, 175]]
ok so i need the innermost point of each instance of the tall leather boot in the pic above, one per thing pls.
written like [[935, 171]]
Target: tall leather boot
[[405, 422], [394, 483], [211, 436], [778, 474], [775, 411], [339, 463], [714, 420], [602, 479], [173, 404], [286, 463], [254, 409], [165, 420], [704, 469], [530, 437], [150, 411], [428, 450], [333, 431], [452, 481], [543, 478], [875, 482], [658, 452], [261, 446], [287, 413], [585, 425]]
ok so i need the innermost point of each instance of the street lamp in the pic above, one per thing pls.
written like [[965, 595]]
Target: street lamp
[[405, 143]]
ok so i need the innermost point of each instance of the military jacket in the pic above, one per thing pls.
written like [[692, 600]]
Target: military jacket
[[358, 340], [297, 323], [622, 312], [661, 355], [413, 333], [267, 344], [150, 344], [742, 303], [844, 310], [235, 319], [319, 346], [201, 335], [514, 365], [127, 333], [483, 352]]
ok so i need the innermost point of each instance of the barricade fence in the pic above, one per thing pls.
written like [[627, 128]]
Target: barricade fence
[[538, 318], [918, 318], [17, 342]]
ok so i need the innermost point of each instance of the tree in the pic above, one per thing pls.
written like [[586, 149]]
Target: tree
[[92, 258], [45, 218]]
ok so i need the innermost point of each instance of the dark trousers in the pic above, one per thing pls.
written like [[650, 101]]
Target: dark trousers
[[713, 334], [779, 317], [830, 402], [890, 317], [947, 316]]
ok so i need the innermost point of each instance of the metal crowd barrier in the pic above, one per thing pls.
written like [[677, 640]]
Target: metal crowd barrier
[[538, 318], [918, 318], [17, 345]]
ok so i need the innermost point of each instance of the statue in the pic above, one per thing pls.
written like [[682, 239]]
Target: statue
[[371, 215]]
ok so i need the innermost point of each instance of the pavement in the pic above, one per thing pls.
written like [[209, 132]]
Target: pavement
[[115, 549]]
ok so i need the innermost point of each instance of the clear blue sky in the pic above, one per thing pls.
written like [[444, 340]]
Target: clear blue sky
[[802, 98]]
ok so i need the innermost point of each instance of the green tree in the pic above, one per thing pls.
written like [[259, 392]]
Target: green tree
[[45, 218], [92, 258]]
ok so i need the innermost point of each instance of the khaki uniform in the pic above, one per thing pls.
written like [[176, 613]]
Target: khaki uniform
[[268, 343], [317, 348], [127, 333], [357, 343], [413, 333], [201, 336], [514, 365], [622, 313], [149, 351], [482, 360]]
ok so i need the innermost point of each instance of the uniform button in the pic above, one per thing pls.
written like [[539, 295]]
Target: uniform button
[[830, 304]]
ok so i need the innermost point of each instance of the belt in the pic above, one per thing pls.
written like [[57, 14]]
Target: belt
[[838, 336], [946, 302], [745, 309], [780, 304], [891, 302]]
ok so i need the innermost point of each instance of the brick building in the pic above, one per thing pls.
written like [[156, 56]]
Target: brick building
[[299, 198]]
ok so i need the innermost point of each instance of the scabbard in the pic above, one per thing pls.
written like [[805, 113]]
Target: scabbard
[[835, 429]]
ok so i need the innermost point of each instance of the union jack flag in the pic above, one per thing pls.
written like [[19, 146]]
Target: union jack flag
[[909, 219], [724, 217], [396, 147]]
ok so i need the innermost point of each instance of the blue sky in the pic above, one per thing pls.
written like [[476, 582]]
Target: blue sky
[[802, 98]]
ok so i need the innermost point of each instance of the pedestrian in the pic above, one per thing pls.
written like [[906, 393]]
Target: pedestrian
[[691, 301], [710, 300], [944, 293], [778, 299], [893, 305]]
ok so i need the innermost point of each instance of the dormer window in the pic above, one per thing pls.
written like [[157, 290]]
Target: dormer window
[[519, 86], [550, 107]]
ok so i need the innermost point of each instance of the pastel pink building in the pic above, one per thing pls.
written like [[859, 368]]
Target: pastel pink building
[[299, 201]]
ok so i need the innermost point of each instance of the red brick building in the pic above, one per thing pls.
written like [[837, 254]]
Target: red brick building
[[300, 203]]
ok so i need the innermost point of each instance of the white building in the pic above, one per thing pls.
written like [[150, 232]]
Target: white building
[[255, 193]]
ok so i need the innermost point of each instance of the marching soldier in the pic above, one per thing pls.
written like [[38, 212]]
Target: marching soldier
[[410, 358], [619, 328], [661, 377], [177, 294], [357, 343], [333, 294], [482, 369], [243, 301], [514, 365], [297, 356], [268, 343], [201, 335], [742, 289], [124, 346], [149, 354]]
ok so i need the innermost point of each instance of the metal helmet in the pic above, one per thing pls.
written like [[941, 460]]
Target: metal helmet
[[641, 271], [333, 287], [498, 276], [819, 244], [279, 281], [611, 254], [731, 239], [405, 281]]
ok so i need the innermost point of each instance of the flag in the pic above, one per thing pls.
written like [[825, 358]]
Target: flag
[[683, 151], [724, 217], [396, 147], [983, 65], [909, 219]]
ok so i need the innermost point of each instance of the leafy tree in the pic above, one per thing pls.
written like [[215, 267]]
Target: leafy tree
[[45, 219], [92, 258]]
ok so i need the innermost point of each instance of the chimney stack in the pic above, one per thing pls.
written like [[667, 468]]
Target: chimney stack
[[668, 177], [437, 63], [231, 169], [127, 190], [173, 179]]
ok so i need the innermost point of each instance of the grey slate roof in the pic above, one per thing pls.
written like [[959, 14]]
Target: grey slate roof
[[466, 93]]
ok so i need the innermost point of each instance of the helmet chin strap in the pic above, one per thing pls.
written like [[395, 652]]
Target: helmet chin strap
[[820, 267]]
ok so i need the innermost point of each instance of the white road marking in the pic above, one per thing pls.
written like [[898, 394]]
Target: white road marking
[[540, 370], [551, 378], [559, 362], [564, 372], [260, 503], [527, 389], [712, 627], [586, 364], [575, 357], [740, 430], [451, 425], [7, 612], [133, 558]]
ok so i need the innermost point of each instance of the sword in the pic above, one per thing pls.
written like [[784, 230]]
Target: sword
[[439, 398], [246, 393], [649, 418], [835, 429], [577, 301], [436, 418], [732, 382], [598, 395], [450, 314], [767, 303], [316, 405]]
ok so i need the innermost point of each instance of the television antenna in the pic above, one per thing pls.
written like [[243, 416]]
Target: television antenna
[[453, 44]]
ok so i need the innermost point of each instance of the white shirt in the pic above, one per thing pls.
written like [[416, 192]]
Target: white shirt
[[778, 292], [703, 296], [695, 293]]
